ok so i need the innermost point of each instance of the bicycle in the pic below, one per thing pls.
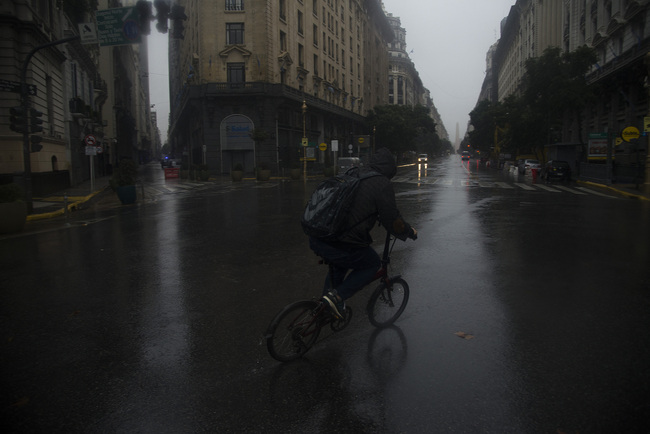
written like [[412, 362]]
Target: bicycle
[[295, 329]]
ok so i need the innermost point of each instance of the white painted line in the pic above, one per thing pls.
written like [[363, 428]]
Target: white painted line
[[570, 190], [595, 192], [524, 186], [547, 188]]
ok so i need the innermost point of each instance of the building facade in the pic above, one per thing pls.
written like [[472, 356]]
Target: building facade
[[83, 90], [251, 79]]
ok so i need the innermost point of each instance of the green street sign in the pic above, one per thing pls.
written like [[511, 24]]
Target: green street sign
[[118, 26]]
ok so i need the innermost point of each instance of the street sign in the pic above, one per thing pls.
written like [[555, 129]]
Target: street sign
[[90, 140], [88, 33], [322, 146], [91, 150], [118, 26], [335, 145], [14, 86], [630, 133], [305, 141], [646, 124]]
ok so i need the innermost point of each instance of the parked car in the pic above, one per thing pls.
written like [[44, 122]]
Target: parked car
[[423, 158], [556, 169], [344, 163], [465, 155], [528, 164]]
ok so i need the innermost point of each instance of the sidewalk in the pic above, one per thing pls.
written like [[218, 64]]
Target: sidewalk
[[627, 190], [54, 205]]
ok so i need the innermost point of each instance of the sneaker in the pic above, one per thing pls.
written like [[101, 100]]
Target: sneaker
[[338, 307]]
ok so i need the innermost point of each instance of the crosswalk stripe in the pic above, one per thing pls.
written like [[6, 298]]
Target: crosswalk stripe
[[570, 190], [547, 188], [524, 186], [597, 193]]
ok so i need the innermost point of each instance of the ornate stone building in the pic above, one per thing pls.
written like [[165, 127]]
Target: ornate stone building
[[245, 69]]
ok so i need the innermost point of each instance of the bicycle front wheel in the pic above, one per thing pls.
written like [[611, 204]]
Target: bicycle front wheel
[[388, 302], [294, 330]]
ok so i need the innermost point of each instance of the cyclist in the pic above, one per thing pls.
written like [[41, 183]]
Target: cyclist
[[375, 199]]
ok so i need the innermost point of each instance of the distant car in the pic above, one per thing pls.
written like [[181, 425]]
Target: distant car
[[556, 169], [423, 158], [528, 164], [345, 163], [465, 155], [166, 161]]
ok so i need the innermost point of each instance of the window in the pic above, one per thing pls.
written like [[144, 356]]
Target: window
[[300, 29], [236, 74], [283, 41], [316, 65], [283, 12], [315, 31], [234, 33], [315, 7], [301, 56], [234, 5]]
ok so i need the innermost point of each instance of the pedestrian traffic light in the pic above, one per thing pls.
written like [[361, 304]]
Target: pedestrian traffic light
[[145, 15], [177, 16], [162, 15], [36, 143], [18, 120], [36, 123]]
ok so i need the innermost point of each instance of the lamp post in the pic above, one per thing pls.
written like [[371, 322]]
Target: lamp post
[[304, 141]]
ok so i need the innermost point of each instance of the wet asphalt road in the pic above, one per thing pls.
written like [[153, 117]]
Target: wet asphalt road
[[529, 313]]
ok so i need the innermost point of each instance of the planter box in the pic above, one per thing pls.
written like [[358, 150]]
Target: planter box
[[126, 194]]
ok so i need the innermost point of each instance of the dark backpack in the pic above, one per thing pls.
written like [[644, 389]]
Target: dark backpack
[[328, 208]]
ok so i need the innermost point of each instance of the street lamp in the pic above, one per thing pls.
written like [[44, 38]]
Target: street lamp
[[304, 141]]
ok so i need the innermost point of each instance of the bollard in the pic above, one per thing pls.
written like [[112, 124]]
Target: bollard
[[65, 205]]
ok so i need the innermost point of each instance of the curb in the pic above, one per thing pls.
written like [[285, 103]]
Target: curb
[[609, 187], [71, 207]]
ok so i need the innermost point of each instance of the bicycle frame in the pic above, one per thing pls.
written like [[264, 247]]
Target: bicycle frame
[[382, 273]]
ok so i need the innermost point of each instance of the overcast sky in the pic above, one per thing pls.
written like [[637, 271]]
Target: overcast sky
[[449, 40]]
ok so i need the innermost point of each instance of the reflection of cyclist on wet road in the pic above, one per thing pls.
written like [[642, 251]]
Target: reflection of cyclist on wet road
[[375, 200]]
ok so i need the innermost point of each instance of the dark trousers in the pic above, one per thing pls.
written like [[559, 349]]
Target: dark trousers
[[362, 261]]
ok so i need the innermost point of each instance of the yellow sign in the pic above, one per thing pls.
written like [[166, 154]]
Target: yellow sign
[[361, 140], [322, 146], [630, 133], [305, 141], [646, 124]]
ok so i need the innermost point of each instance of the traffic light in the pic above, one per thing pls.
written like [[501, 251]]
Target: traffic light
[[18, 119], [162, 15], [178, 16], [36, 123], [145, 15], [36, 143]]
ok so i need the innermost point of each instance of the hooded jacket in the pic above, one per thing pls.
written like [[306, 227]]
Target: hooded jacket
[[375, 200]]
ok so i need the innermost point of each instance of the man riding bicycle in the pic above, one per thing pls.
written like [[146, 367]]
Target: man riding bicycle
[[375, 200]]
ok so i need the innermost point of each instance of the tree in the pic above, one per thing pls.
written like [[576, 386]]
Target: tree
[[554, 91], [403, 128]]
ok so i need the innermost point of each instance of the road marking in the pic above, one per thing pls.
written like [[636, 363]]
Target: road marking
[[504, 185], [524, 186], [570, 190], [547, 188], [596, 192]]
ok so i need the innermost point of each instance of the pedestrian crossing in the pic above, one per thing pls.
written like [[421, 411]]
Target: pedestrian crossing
[[539, 187]]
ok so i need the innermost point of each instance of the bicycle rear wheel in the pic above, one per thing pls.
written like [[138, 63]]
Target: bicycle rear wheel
[[294, 330], [387, 303]]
